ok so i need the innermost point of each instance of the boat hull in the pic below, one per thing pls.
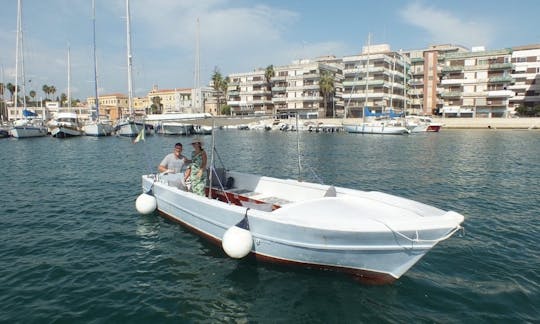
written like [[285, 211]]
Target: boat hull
[[376, 129], [65, 131], [433, 128], [97, 129], [375, 256], [175, 129], [28, 131], [132, 128]]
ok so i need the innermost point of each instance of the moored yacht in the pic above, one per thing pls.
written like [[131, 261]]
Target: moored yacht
[[420, 124], [99, 127], [66, 124], [24, 128]]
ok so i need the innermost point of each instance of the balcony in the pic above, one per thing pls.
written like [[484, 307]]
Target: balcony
[[501, 79], [279, 78], [500, 94], [451, 94], [452, 68], [278, 89], [362, 83], [501, 66]]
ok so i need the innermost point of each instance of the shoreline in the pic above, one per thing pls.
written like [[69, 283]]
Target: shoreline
[[531, 123]]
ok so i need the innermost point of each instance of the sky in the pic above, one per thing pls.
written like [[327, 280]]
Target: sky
[[235, 36]]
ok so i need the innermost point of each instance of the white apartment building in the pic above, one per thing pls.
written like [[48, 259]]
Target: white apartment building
[[476, 83], [375, 79], [426, 71], [293, 89], [250, 93], [526, 61], [296, 89]]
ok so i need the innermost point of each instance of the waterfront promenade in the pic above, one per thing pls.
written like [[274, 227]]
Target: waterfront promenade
[[465, 123]]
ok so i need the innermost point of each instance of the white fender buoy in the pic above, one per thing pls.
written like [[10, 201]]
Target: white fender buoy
[[145, 203], [237, 240]]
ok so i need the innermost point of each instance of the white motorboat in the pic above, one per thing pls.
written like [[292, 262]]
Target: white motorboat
[[420, 124], [174, 128], [66, 124], [372, 235], [129, 127], [376, 127], [202, 130]]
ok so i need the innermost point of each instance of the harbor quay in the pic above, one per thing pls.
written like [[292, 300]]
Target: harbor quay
[[455, 123]]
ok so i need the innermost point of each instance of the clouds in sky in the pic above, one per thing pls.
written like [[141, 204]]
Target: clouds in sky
[[445, 27], [235, 36]]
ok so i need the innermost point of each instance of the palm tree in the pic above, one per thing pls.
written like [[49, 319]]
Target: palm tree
[[33, 96], [218, 85], [46, 90], [11, 88], [63, 99], [269, 73], [156, 107], [326, 86], [52, 90]]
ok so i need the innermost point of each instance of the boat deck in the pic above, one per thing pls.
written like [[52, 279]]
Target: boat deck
[[245, 197]]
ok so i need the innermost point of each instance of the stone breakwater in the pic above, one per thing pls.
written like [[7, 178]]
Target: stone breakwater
[[462, 123]]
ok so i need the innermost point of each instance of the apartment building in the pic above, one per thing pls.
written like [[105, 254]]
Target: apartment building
[[375, 79], [293, 89], [250, 93], [112, 105], [172, 100], [296, 88], [476, 83], [526, 74], [425, 72]]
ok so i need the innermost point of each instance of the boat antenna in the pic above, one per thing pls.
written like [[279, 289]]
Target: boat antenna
[[212, 156]]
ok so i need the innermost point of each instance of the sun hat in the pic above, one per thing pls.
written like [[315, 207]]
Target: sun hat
[[197, 140]]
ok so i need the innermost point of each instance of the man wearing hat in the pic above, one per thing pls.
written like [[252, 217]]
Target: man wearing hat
[[198, 167]]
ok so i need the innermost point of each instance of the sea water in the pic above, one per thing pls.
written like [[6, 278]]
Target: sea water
[[74, 249]]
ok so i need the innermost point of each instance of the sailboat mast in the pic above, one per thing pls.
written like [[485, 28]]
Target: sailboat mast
[[95, 59], [17, 46], [129, 58], [69, 78]]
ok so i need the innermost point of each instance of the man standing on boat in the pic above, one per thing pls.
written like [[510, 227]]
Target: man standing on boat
[[173, 162]]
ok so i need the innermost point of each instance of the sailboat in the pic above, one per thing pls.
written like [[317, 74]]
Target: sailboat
[[66, 124], [96, 126], [129, 125], [374, 236], [382, 126], [30, 125]]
